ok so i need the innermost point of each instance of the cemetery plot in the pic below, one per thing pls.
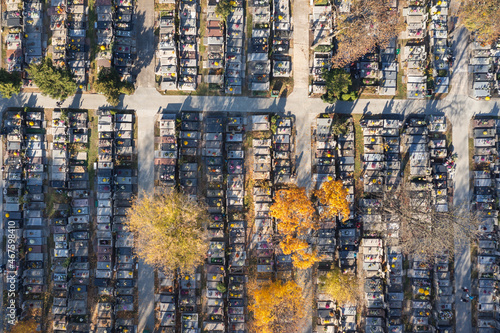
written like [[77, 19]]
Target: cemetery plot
[[116, 184], [416, 17], [236, 225], [281, 38], [116, 36], [261, 242], [166, 151], [258, 61], [167, 53], [25, 224], [381, 159], [68, 25], [235, 52], [185, 297], [283, 145], [215, 53], [69, 188], [430, 173], [215, 268], [485, 169]]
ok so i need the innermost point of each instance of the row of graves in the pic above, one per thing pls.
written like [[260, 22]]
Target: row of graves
[[380, 252], [70, 226], [188, 45], [321, 25], [416, 16], [12, 22], [116, 36], [166, 151], [34, 282], [281, 38], [165, 165], [334, 159], [485, 132], [33, 33], [188, 298], [262, 244], [483, 64], [389, 61], [23, 208], [12, 220], [104, 32], [166, 54], [324, 169], [68, 25], [283, 145], [430, 185], [235, 50], [236, 224], [216, 270], [115, 274], [442, 58], [349, 226], [214, 41], [389, 69], [258, 63]]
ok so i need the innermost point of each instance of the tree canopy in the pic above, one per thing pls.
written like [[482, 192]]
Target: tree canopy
[[369, 23], [296, 216], [170, 231], [110, 85], [55, 82], [482, 18], [275, 306], [294, 210], [224, 8], [338, 85], [10, 83], [424, 230], [333, 194], [343, 288]]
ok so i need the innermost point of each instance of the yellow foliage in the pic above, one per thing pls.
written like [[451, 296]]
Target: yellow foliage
[[481, 18], [291, 244], [169, 231], [334, 195], [276, 307], [343, 288], [304, 260], [295, 216], [24, 326], [294, 210]]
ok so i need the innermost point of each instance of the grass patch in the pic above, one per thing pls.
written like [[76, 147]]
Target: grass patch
[[401, 88], [359, 150], [93, 143]]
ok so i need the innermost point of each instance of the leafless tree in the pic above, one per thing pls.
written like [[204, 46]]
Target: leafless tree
[[368, 24], [425, 229]]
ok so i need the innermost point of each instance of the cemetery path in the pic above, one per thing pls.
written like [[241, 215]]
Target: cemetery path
[[146, 280], [300, 60], [145, 62], [462, 271]]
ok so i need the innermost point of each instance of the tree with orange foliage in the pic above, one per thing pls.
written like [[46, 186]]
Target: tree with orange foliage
[[296, 216], [294, 210], [334, 195], [275, 307]]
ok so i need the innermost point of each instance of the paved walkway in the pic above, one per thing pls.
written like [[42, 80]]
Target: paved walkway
[[145, 280], [144, 23]]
